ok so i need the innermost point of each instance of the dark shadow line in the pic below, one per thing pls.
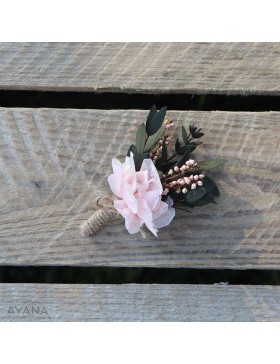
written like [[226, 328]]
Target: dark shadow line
[[122, 275], [111, 100]]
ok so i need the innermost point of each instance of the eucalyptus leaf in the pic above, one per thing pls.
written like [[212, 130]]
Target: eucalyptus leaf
[[182, 150], [194, 195], [177, 145], [196, 142], [205, 200], [152, 113], [154, 124], [164, 167], [153, 139], [210, 186], [134, 150], [141, 138], [186, 155], [206, 165], [176, 196], [138, 162], [184, 135]]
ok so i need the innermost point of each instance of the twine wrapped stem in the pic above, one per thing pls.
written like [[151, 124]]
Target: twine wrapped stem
[[105, 212]]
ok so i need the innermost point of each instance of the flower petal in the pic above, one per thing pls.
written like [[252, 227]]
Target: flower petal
[[151, 197], [165, 218], [129, 198], [117, 165], [116, 185], [145, 213], [142, 180], [154, 180], [140, 193], [132, 222], [169, 201]]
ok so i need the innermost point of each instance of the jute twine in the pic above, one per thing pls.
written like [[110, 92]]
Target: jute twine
[[105, 212]]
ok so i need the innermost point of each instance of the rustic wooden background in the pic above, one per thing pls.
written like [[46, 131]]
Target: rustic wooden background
[[54, 161]]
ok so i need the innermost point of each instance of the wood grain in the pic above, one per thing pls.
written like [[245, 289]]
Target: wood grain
[[230, 68], [133, 302], [54, 163]]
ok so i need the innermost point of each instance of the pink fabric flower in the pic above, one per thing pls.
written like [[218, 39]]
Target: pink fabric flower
[[140, 194]]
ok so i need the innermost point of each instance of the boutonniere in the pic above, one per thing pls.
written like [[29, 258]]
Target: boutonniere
[[158, 176]]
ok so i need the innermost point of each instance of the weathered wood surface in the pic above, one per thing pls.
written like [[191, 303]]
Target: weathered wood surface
[[138, 302], [53, 163], [231, 68]]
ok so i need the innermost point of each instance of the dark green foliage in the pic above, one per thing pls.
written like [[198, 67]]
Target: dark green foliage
[[194, 133], [205, 200], [138, 162], [152, 113], [194, 195], [132, 149], [138, 159], [177, 196], [164, 167], [186, 155], [206, 165], [184, 135], [148, 137], [154, 124], [182, 150], [196, 142], [177, 144], [141, 138], [153, 139], [210, 186]]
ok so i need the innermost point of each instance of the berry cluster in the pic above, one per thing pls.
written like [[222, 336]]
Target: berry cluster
[[182, 183], [156, 152]]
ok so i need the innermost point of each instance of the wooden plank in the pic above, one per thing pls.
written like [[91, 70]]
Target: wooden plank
[[136, 302], [53, 163], [230, 68]]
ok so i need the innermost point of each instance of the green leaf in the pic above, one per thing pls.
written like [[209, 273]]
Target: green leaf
[[177, 145], [152, 113], [206, 165], [134, 150], [196, 142], [186, 155], [184, 148], [176, 196], [141, 138], [153, 139], [205, 200], [153, 125], [184, 135], [210, 186], [164, 167], [194, 195], [138, 162]]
